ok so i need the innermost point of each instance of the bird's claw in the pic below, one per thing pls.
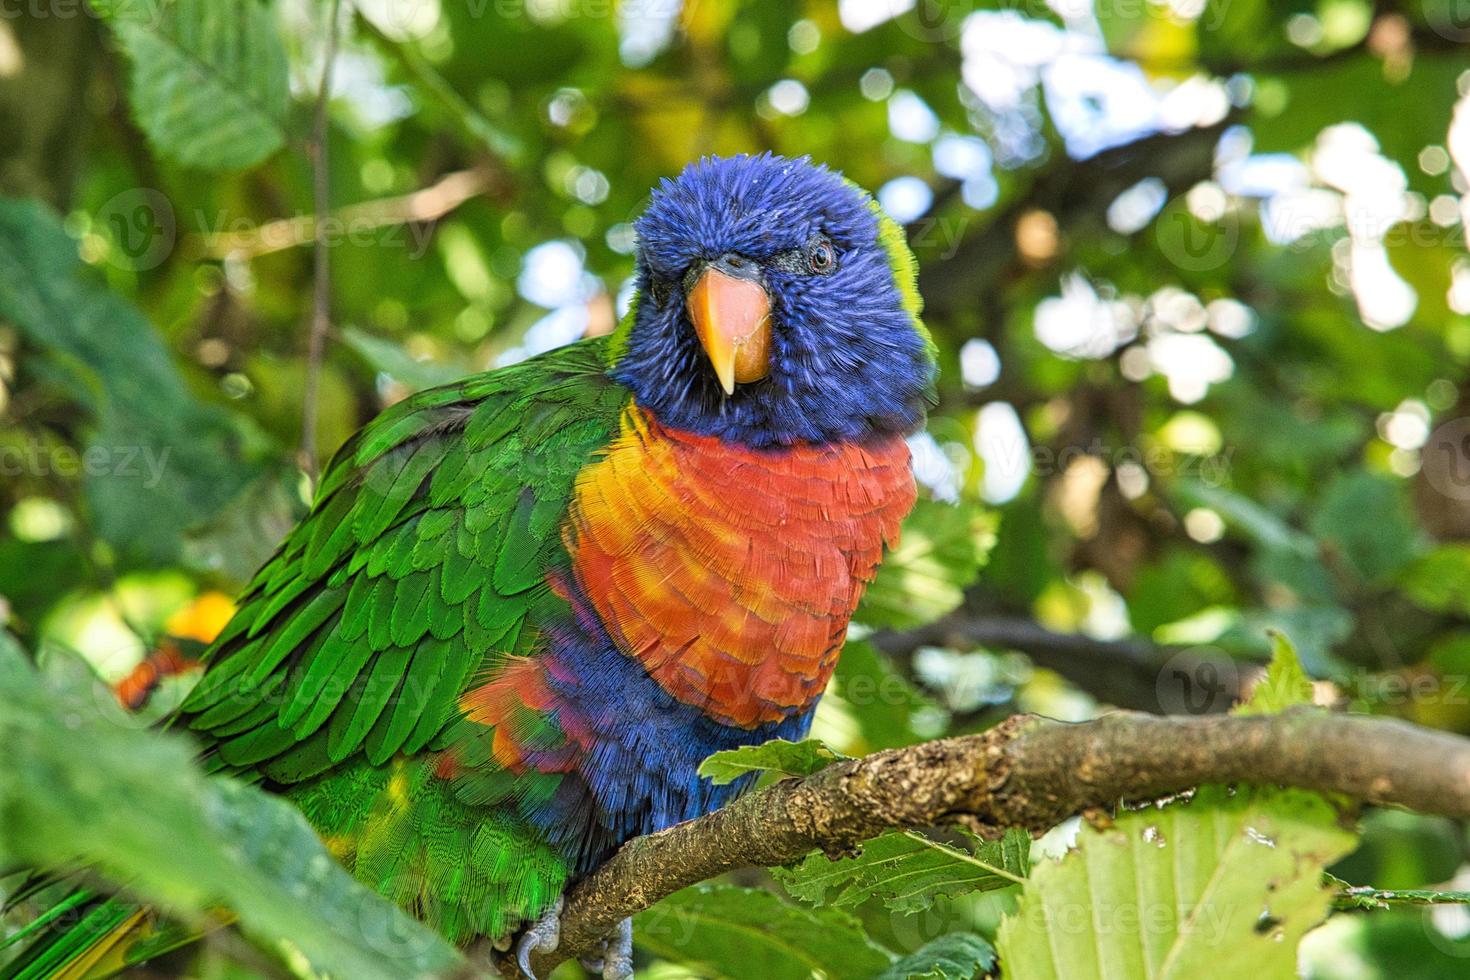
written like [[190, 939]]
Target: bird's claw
[[542, 936], [616, 961]]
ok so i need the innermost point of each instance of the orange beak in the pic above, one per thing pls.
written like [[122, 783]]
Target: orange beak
[[732, 318]]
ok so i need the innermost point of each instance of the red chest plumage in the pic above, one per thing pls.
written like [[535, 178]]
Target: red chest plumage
[[731, 574]]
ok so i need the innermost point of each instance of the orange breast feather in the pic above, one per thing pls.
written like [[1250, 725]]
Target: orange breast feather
[[731, 574]]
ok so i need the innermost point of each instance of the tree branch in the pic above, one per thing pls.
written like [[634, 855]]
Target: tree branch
[[1125, 673], [1027, 772], [1077, 194], [416, 207]]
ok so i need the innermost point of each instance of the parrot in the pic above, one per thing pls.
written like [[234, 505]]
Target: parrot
[[524, 607]]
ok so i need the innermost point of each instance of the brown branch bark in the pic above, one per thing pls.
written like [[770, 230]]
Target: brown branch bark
[[1028, 772]]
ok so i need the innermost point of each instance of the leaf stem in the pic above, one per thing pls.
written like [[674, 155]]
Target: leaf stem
[[960, 855]]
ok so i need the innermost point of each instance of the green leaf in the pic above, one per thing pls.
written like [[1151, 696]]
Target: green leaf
[[391, 359], [155, 461], [1223, 885], [1285, 685], [1318, 630], [1440, 580], [83, 783], [723, 931], [778, 755], [941, 552], [209, 82], [908, 871], [1364, 522], [1256, 522], [884, 703], [955, 956]]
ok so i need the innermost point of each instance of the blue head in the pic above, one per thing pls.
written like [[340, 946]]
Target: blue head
[[776, 304]]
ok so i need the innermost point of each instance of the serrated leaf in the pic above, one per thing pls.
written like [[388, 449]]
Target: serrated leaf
[[1222, 885], [724, 931], [209, 82], [908, 871], [83, 783], [778, 755], [955, 956], [1285, 685]]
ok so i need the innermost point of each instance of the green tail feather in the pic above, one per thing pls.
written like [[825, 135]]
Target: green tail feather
[[86, 936], [65, 934]]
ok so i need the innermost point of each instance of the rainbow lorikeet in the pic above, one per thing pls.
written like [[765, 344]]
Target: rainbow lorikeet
[[525, 606]]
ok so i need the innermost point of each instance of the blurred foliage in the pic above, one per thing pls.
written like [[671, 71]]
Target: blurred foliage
[[93, 785], [1197, 271]]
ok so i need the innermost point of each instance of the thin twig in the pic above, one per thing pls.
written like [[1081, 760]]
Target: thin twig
[[1027, 772], [427, 204], [321, 314]]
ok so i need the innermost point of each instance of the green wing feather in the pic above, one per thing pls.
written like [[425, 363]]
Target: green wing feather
[[419, 564]]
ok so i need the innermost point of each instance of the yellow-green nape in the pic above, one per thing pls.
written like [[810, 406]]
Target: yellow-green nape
[[617, 341], [904, 265]]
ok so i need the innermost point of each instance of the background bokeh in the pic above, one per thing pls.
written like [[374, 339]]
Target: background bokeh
[[1197, 271]]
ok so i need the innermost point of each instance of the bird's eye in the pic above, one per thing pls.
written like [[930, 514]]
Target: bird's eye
[[821, 258]]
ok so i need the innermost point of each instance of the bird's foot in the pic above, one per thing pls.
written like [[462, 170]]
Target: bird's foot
[[542, 936], [616, 961]]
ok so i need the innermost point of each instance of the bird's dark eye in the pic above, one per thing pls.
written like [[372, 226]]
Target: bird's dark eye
[[821, 258]]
